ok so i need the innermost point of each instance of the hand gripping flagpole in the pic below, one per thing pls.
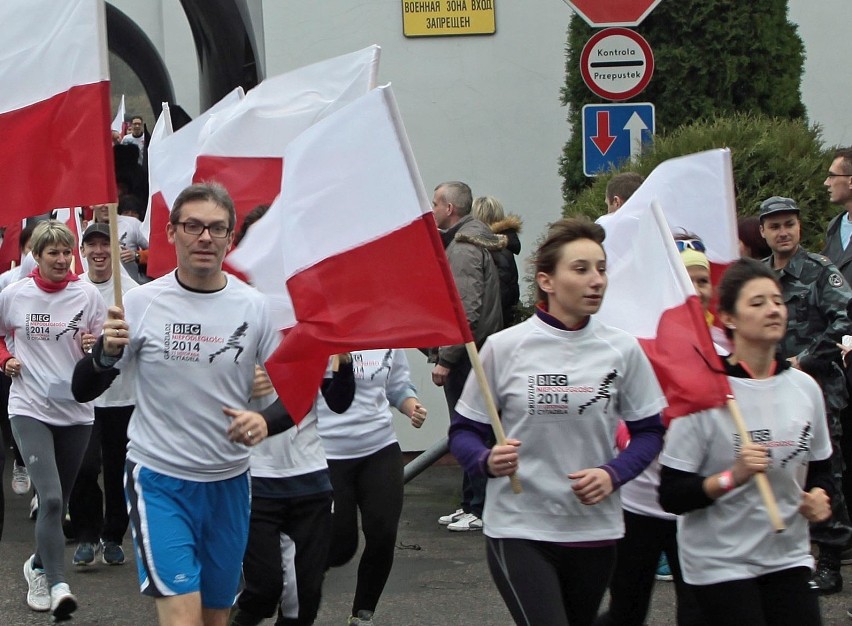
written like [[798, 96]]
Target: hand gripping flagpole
[[496, 424], [760, 478], [115, 252]]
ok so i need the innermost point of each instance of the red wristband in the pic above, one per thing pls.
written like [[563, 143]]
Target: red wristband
[[726, 481]]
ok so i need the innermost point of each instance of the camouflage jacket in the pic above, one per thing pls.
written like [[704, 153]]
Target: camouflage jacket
[[817, 298]]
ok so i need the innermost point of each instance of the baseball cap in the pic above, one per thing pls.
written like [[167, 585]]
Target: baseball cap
[[778, 204], [95, 228]]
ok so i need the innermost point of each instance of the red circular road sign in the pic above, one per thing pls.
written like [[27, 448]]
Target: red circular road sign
[[617, 63], [613, 12]]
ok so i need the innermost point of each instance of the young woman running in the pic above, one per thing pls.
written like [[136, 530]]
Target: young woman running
[[560, 380], [739, 570]]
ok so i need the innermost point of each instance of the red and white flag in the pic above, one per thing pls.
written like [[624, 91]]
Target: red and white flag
[[352, 244], [242, 139], [54, 106], [118, 121], [697, 195], [10, 248], [650, 294]]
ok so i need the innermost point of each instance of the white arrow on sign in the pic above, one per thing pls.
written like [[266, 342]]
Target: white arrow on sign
[[634, 127]]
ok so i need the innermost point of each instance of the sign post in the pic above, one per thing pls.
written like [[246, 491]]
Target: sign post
[[613, 12], [614, 133]]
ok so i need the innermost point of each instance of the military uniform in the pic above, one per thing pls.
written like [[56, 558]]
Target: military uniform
[[817, 296]]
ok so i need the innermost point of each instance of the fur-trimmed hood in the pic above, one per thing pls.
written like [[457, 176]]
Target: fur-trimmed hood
[[510, 222]]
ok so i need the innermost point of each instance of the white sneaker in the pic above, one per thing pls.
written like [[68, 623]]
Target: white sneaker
[[34, 507], [466, 522], [62, 602], [20, 479], [444, 520], [38, 597]]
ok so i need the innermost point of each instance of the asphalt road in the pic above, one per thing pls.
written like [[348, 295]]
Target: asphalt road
[[438, 577]]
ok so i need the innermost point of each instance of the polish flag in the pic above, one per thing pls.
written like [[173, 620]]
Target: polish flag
[[697, 195], [351, 245], [118, 121], [54, 106], [10, 249], [650, 294], [242, 140]]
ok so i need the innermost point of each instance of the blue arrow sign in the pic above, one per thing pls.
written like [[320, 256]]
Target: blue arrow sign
[[614, 133]]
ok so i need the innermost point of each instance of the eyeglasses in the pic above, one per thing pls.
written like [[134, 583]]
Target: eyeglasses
[[833, 175], [690, 244], [217, 230]]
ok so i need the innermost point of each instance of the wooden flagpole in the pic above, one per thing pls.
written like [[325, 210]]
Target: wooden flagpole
[[115, 252], [496, 424]]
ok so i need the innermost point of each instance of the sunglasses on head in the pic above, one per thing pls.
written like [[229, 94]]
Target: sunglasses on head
[[690, 244]]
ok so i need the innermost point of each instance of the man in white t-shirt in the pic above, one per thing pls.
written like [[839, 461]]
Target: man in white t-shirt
[[136, 136], [195, 336]]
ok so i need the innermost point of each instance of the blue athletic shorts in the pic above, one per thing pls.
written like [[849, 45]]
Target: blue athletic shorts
[[182, 528]]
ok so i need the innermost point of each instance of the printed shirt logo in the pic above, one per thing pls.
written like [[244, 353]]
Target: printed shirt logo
[[763, 436], [37, 326], [361, 366], [548, 394], [184, 341]]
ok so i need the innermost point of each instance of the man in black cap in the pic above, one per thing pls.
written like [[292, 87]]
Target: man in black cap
[[816, 296], [99, 519]]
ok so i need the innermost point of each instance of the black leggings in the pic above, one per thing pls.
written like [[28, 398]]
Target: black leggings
[[546, 584], [777, 599], [637, 556], [372, 484]]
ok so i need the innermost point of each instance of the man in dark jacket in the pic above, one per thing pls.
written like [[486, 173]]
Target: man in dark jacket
[[468, 244]]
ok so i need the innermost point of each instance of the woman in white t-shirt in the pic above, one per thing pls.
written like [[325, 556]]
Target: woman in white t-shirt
[[560, 380], [740, 571], [45, 319]]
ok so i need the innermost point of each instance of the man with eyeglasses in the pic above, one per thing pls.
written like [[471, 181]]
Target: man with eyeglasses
[[839, 185], [817, 297], [187, 478]]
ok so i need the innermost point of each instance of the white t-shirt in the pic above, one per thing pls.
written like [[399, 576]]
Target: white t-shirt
[[194, 353], [46, 330], [382, 378], [131, 237], [732, 539], [561, 394], [121, 391]]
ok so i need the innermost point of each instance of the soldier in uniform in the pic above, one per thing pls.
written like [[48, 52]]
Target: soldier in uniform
[[817, 297]]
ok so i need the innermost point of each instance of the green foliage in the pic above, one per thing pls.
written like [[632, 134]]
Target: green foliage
[[712, 57], [770, 156]]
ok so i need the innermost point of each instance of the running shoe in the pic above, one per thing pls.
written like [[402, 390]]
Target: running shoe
[[664, 572], [84, 554], [62, 602], [20, 479], [111, 553], [466, 522], [446, 520], [363, 618], [38, 597]]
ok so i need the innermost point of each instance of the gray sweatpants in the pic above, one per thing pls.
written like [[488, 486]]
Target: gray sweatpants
[[53, 455]]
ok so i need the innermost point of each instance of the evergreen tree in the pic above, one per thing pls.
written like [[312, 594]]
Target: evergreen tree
[[712, 57]]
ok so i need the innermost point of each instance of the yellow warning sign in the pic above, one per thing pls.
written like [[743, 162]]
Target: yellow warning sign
[[426, 18]]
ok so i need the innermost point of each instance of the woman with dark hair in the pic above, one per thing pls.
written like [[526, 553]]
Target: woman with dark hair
[[44, 318], [739, 570], [752, 243], [560, 380]]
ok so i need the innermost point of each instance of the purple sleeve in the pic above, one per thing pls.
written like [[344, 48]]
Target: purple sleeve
[[467, 443], [646, 441]]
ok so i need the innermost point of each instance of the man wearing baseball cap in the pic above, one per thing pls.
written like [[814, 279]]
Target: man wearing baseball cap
[[99, 519], [816, 296]]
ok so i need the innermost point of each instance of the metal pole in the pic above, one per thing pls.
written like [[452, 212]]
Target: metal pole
[[425, 460]]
